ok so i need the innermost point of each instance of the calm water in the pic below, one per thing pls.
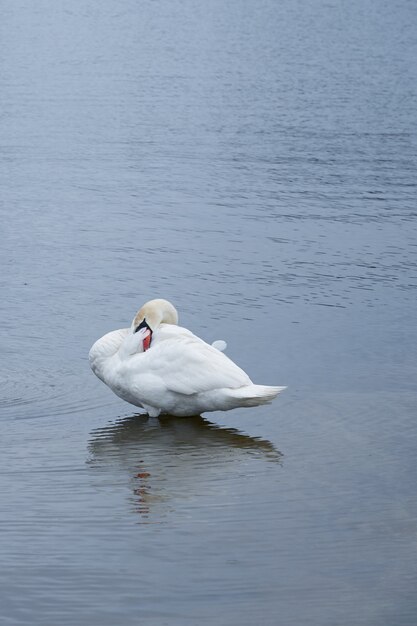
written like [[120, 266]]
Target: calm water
[[255, 163]]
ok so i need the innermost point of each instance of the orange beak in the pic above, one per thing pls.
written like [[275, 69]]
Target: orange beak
[[147, 341]]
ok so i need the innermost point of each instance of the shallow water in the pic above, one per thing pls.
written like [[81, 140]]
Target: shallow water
[[255, 164]]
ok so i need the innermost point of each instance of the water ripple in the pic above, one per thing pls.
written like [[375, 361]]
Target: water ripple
[[33, 393]]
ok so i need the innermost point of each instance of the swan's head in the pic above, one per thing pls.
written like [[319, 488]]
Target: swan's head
[[151, 315]]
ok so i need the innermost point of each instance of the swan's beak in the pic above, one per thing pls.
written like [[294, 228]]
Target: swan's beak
[[147, 341]]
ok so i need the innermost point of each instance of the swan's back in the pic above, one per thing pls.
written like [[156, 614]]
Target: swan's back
[[188, 365]]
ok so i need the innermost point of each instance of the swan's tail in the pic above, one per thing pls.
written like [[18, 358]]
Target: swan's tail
[[253, 395]]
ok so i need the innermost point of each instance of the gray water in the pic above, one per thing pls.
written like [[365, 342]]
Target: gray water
[[255, 163]]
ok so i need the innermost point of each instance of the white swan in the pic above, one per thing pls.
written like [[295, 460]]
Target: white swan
[[164, 368]]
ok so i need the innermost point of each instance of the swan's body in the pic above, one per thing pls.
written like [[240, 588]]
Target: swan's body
[[164, 368]]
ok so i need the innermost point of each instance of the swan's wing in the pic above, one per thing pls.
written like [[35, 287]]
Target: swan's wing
[[188, 365]]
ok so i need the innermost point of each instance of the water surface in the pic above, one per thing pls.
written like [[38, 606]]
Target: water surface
[[255, 164]]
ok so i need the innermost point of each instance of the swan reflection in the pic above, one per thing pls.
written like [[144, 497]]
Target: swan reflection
[[173, 460]]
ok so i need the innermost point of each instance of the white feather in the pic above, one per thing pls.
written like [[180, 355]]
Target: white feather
[[219, 344]]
